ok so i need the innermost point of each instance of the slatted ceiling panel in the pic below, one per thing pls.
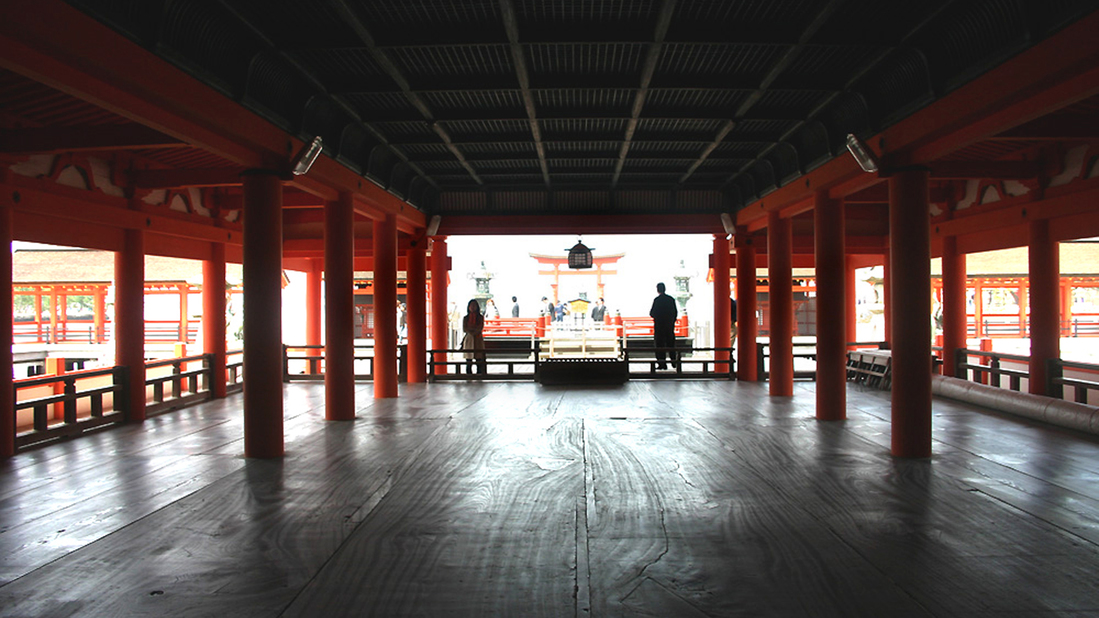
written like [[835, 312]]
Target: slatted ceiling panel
[[398, 131], [441, 166], [512, 180], [579, 201], [520, 201], [785, 104], [580, 59], [592, 20], [420, 152], [582, 129], [666, 165], [420, 63], [583, 102], [593, 149], [760, 130], [827, 67], [641, 201], [720, 20], [747, 62], [292, 23], [346, 69], [741, 149], [582, 165], [399, 22], [670, 128], [500, 165], [659, 149], [486, 130], [458, 201], [875, 22], [675, 102], [376, 106], [479, 150], [699, 200], [475, 104]]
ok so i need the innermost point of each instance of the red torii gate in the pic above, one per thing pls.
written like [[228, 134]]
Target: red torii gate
[[600, 263]]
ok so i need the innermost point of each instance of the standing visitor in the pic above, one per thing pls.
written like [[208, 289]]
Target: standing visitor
[[473, 341], [514, 306], [663, 313], [599, 311]]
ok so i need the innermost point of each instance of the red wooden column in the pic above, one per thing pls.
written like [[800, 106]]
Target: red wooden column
[[100, 314], [954, 326], [213, 315], [1045, 279], [851, 302], [1066, 307], [339, 309], [828, 232], [313, 311], [439, 326], [416, 297], [747, 326], [910, 271], [722, 309], [887, 298], [385, 307], [7, 387], [780, 274], [263, 417], [129, 315]]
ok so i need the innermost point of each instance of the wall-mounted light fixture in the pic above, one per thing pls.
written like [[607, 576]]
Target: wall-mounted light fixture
[[300, 164], [433, 226], [728, 223], [580, 256], [862, 153]]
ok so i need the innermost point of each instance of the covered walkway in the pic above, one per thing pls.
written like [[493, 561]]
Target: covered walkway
[[650, 499]]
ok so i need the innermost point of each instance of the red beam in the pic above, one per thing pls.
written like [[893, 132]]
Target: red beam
[[69, 51], [173, 179], [1002, 170], [454, 225], [93, 138], [1056, 127]]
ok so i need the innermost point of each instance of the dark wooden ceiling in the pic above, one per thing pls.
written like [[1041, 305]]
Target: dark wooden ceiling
[[546, 106]]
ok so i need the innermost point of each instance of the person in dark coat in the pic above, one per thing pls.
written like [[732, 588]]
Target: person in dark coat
[[599, 311], [732, 324], [514, 307], [663, 314]]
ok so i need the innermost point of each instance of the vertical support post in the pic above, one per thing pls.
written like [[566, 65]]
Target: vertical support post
[[184, 319], [722, 309], [263, 416], [747, 326], [38, 313], [910, 270], [416, 297], [851, 302], [213, 316], [1066, 308], [62, 317], [954, 326], [7, 338], [100, 314], [339, 296], [887, 290], [385, 307], [780, 273], [1045, 274], [53, 338], [439, 326], [313, 311], [830, 247], [129, 312]]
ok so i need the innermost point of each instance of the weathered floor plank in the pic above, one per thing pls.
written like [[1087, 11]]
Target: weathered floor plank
[[651, 499]]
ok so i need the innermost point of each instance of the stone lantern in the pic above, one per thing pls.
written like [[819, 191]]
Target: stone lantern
[[482, 277]]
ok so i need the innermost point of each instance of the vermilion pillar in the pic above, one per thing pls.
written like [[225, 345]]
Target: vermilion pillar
[[747, 326], [416, 297], [722, 310], [339, 309], [313, 311], [1045, 332], [100, 314], [851, 304], [7, 387], [385, 307], [780, 274], [954, 326], [213, 315], [439, 267], [887, 298], [828, 232], [129, 315], [910, 271], [263, 435]]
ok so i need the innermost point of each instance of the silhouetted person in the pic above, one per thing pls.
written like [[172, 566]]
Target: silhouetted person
[[732, 324], [473, 325], [514, 307], [663, 314], [548, 309]]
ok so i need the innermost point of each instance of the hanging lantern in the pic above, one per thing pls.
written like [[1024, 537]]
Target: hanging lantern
[[580, 256]]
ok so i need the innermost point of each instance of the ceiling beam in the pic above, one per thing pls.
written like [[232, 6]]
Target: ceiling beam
[[992, 170], [175, 179], [76, 139], [511, 25], [351, 18], [453, 225], [652, 57], [1055, 127]]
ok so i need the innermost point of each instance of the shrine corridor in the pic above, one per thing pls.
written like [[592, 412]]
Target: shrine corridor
[[650, 499]]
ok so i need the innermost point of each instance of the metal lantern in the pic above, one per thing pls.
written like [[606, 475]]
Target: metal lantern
[[580, 256]]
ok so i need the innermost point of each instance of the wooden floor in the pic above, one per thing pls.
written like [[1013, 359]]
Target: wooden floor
[[649, 499]]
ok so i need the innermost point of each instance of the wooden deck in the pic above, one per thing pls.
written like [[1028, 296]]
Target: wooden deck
[[653, 498]]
